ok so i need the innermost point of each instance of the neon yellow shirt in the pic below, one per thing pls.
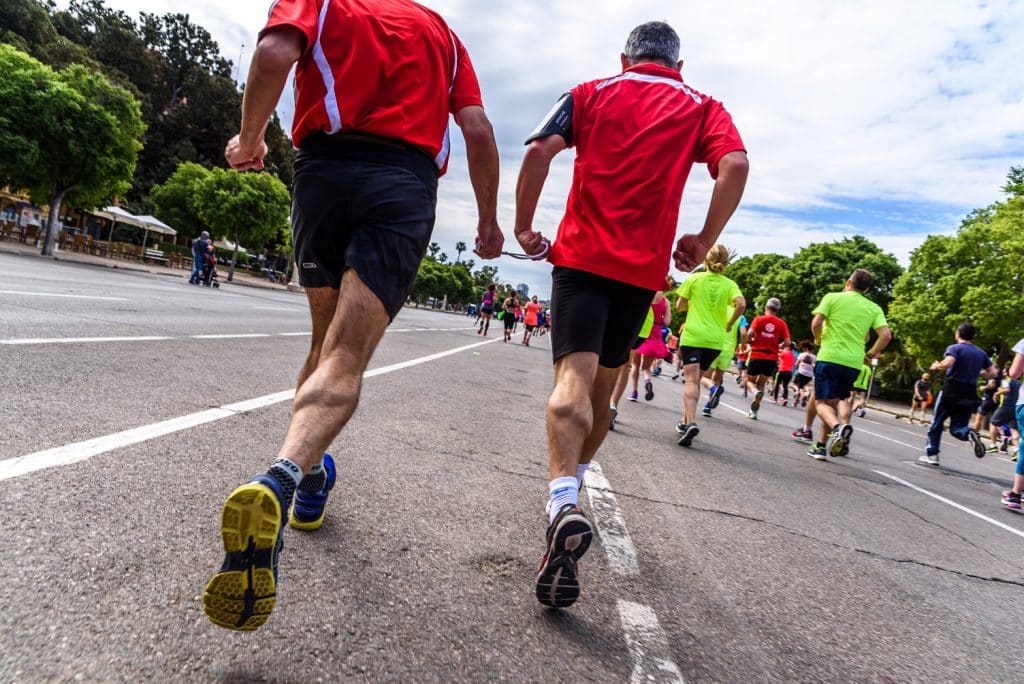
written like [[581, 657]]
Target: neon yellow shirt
[[645, 331], [861, 383], [848, 318], [710, 297]]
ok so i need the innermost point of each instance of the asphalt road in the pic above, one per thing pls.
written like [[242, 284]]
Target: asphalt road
[[740, 559]]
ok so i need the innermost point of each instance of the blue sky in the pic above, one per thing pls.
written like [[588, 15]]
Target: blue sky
[[885, 118]]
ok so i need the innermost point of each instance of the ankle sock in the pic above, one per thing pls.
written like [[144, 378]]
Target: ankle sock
[[314, 480], [288, 474], [581, 470], [563, 491]]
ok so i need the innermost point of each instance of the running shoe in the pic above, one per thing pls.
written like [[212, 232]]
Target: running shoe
[[686, 433], [991, 449], [633, 396], [568, 538], [756, 404], [860, 413], [648, 390], [975, 440], [716, 396], [752, 415], [676, 376], [802, 435], [1011, 499], [242, 594], [615, 414], [706, 412], [817, 452], [837, 440], [656, 371], [310, 507], [929, 459]]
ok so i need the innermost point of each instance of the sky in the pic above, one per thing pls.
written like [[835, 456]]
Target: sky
[[886, 119]]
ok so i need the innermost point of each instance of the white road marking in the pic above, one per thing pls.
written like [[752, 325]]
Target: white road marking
[[80, 451], [76, 340], [611, 526], [229, 336], [296, 334], [63, 296], [648, 647], [954, 504], [280, 308]]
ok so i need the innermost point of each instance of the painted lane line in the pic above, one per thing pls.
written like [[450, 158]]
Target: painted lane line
[[280, 308], [296, 334], [648, 646], [77, 340], [80, 451], [611, 526], [954, 504], [229, 336], [63, 296]]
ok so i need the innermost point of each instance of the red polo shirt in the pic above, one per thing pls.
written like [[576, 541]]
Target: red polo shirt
[[636, 136], [389, 68], [766, 334]]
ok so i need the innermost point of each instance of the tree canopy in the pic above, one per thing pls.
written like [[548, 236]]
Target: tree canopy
[[73, 134], [974, 276], [190, 102], [251, 207]]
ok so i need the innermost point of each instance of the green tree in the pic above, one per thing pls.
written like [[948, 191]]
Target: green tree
[[74, 135], [251, 207], [487, 275], [749, 274], [974, 275], [174, 201], [818, 269]]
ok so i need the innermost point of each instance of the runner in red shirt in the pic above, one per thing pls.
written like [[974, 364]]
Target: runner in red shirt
[[613, 249], [375, 86], [767, 333]]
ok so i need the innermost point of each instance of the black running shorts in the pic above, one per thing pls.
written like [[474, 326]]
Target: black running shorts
[[762, 367], [363, 205], [595, 314], [701, 355]]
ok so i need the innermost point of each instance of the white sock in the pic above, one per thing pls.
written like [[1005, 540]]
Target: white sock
[[581, 470], [563, 491], [613, 406]]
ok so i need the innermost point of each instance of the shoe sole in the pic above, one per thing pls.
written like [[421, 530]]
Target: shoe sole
[[557, 584], [649, 393], [837, 445], [242, 598], [686, 439], [818, 457], [979, 448], [307, 525]]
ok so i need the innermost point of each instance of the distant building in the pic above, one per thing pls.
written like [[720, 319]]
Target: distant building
[[524, 290]]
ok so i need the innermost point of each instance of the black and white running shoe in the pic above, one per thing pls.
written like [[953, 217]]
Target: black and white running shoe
[[975, 440], [686, 434], [568, 538]]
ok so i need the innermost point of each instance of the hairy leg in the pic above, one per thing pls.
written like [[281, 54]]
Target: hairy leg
[[570, 414], [600, 394]]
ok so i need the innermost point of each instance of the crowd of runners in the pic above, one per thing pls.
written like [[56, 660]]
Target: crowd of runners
[[375, 87], [514, 310]]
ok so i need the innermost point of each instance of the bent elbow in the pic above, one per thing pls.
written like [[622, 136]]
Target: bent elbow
[[735, 164]]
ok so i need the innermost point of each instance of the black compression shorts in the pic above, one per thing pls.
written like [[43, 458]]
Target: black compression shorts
[[596, 314]]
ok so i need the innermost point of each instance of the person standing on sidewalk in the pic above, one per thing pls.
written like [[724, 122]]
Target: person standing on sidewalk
[[613, 249], [963, 363], [841, 325], [375, 86], [200, 246], [922, 397]]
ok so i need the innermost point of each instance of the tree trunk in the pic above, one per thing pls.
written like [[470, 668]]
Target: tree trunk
[[234, 257], [50, 236]]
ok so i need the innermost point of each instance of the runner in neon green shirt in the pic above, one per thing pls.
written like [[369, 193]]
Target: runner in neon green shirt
[[706, 298], [842, 322]]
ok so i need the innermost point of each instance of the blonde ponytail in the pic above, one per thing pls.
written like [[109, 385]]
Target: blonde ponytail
[[717, 259]]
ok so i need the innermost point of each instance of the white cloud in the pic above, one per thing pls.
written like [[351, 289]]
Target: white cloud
[[838, 103]]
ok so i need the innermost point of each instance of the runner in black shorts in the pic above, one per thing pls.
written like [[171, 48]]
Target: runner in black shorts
[[362, 213], [508, 313]]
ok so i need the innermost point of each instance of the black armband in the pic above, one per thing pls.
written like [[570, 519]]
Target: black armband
[[557, 122]]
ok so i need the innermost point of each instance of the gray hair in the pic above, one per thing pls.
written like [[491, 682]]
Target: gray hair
[[774, 304], [654, 41]]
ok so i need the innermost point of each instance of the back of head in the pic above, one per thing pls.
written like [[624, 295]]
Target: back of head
[[773, 306], [717, 259], [491, 287], [966, 331], [654, 41], [861, 280]]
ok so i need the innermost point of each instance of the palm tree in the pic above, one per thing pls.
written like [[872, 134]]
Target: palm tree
[[433, 249], [460, 247]]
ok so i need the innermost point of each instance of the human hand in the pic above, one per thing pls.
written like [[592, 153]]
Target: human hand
[[489, 240], [530, 240], [243, 158], [690, 252]]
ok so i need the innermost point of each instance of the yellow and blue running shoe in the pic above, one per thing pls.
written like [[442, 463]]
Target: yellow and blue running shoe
[[311, 498], [242, 594]]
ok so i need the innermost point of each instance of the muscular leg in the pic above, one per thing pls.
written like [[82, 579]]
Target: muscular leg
[[329, 394], [691, 392], [828, 412], [323, 302], [600, 394], [570, 414]]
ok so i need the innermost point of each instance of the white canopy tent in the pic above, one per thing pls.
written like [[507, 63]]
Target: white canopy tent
[[152, 223], [147, 223]]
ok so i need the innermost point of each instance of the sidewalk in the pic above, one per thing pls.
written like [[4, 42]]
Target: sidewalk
[[241, 277]]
